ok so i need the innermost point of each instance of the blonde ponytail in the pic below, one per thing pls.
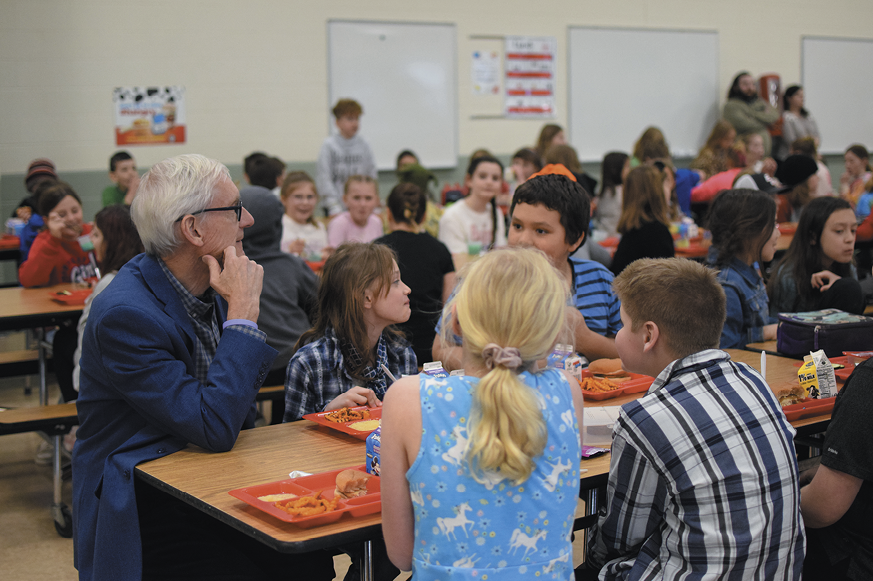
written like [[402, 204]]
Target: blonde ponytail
[[512, 301]]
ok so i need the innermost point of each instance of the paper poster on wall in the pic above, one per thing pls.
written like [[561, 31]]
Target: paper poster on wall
[[486, 72], [530, 76], [149, 115]]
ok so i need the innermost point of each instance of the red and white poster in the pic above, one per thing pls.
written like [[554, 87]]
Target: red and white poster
[[149, 115], [530, 76]]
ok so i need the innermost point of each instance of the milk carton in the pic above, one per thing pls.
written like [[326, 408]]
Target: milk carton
[[816, 376], [435, 369], [373, 447]]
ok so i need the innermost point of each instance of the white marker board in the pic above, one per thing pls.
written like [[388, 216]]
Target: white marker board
[[404, 76], [623, 80], [838, 90]]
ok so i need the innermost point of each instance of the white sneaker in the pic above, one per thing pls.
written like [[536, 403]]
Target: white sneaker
[[45, 451], [44, 454]]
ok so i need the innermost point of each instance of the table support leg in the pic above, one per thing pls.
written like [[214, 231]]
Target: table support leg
[[43, 390], [60, 513], [367, 562]]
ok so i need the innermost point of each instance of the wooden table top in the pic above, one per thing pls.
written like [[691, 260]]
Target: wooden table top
[[268, 454], [23, 308], [768, 346], [262, 455]]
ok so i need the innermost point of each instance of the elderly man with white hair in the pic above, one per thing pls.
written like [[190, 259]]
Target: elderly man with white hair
[[172, 355]]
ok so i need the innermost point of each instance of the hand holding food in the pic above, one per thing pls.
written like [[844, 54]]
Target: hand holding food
[[354, 397]]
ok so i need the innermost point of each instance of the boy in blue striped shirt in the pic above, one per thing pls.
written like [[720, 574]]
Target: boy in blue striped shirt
[[703, 477], [550, 212]]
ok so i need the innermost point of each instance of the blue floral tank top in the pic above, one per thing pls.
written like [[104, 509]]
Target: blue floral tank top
[[468, 530]]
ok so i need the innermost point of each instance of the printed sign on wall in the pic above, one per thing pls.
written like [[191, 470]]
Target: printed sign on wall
[[486, 72], [149, 115], [530, 76]]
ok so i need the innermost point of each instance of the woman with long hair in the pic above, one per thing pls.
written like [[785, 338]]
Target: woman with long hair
[[717, 154], [797, 122]]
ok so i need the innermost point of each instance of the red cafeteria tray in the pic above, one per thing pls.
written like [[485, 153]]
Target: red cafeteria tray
[[841, 374], [809, 408], [636, 384], [325, 482], [693, 249], [375, 414], [72, 297]]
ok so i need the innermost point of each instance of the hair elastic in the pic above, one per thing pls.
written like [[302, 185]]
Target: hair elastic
[[508, 357]]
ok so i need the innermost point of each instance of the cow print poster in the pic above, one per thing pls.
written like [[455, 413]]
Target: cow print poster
[[149, 115]]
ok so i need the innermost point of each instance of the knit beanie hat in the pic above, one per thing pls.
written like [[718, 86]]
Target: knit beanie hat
[[40, 167], [796, 169]]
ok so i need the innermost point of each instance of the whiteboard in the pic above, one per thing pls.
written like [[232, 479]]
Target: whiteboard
[[838, 90], [623, 80], [404, 76]]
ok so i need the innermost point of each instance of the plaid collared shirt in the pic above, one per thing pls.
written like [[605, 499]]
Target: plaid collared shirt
[[316, 374], [702, 481], [206, 324]]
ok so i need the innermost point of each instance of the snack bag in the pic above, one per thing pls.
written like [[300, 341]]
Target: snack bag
[[435, 369], [816, 376], [373, 448], [558, 355]]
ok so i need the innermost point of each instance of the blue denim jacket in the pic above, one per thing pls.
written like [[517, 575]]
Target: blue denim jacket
[[747, 305]]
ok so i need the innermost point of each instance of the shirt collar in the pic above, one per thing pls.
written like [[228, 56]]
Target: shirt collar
[[195, 307], [693, 362], [748, 272]]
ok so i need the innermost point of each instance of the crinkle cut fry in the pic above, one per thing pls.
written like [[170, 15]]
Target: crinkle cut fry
[[308, 505], [597, 384], [344, 415]]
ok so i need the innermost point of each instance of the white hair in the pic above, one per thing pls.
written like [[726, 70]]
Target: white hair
[[170, 189]]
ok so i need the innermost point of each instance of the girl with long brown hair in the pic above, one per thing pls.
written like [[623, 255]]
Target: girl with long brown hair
[[345, 359], [644, 224]]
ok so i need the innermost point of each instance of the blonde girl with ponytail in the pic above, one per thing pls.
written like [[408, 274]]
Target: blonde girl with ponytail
[[494, 452]]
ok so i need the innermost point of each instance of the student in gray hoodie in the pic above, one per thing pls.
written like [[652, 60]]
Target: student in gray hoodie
[[343, 155], [290, 285]]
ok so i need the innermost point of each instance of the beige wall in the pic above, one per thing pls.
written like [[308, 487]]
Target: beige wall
[[255, 71]]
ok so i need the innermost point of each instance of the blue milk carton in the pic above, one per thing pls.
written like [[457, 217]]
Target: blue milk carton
[[373, 446]]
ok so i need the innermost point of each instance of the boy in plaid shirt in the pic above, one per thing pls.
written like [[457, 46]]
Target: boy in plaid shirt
[[703, 477]]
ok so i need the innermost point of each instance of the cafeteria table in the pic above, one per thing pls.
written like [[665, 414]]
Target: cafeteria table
[[203, 479], [34, 308]]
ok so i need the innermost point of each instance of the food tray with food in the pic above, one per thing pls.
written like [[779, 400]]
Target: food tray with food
[[76, 297], [808, 408], [595, 388], [318, 499], [357, 421]]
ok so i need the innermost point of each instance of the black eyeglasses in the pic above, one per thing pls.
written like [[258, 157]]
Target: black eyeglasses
[[238, 208]]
